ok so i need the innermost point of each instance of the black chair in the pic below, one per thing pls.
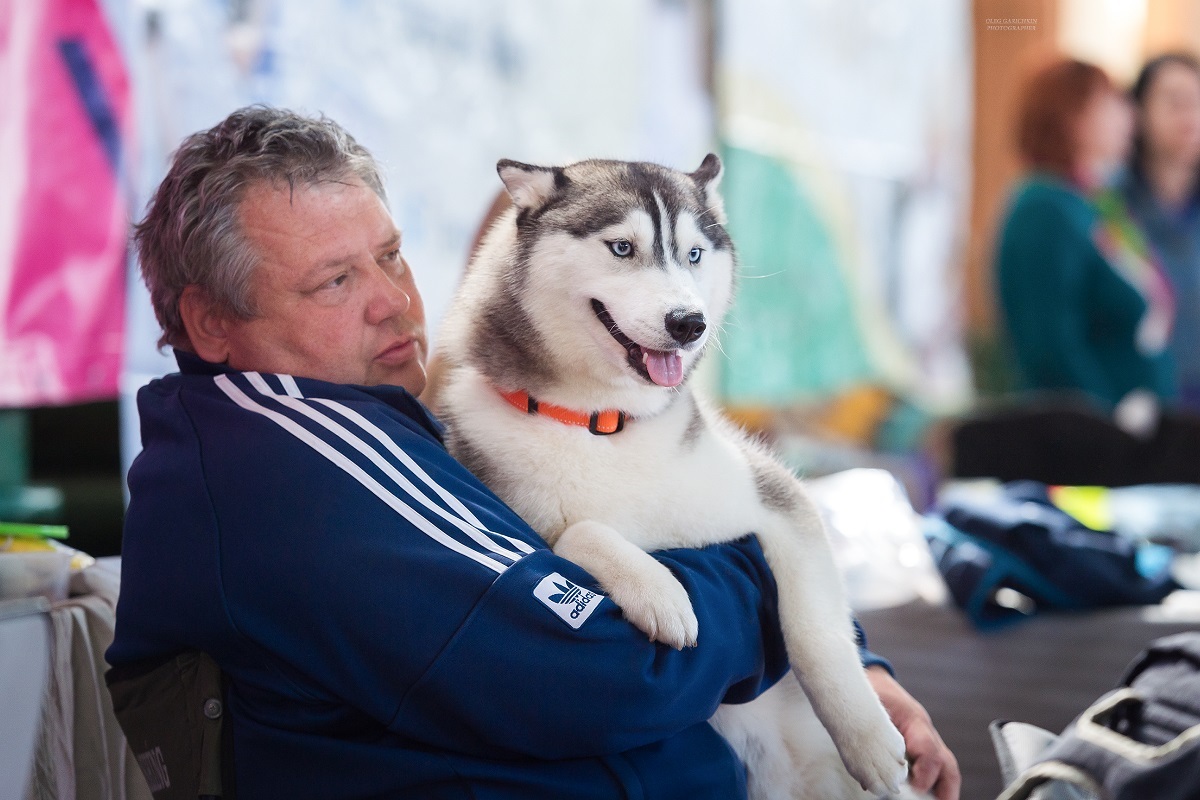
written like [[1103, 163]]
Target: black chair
[[172, 711]]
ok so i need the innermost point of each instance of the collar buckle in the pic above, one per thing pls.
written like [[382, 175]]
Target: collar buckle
[[612, 421]]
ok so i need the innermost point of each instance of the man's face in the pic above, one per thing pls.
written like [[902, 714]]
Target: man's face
[[336, 300]]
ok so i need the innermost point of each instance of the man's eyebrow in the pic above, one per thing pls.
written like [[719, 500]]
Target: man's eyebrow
[[339, 261], [329, 264], [392, 241]]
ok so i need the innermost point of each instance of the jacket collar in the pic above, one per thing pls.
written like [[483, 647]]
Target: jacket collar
[[395, 396]]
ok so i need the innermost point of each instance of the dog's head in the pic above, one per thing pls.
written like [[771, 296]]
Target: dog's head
[[622, 272]]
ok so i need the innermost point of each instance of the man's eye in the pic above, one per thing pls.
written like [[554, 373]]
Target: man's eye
[[334, 283], [394, 262]]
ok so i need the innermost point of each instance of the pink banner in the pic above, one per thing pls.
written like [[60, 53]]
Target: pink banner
[[65, 125]]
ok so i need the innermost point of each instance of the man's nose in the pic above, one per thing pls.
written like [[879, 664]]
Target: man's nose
[[387, 298]]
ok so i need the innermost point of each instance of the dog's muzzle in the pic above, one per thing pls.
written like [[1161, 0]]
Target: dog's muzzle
[[660, 367]]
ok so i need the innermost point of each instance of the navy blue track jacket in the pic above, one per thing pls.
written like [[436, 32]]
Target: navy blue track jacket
[[391, 629]]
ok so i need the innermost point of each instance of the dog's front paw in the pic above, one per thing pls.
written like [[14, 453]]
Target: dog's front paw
[[651, 596], [874, 756], [658, 605]]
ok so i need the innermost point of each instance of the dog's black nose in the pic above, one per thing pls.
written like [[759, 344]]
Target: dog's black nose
[[685, 327]]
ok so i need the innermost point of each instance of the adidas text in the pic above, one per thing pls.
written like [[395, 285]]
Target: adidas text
[[571, 602]]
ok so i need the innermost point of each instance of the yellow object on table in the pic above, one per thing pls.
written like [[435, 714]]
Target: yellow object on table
[[33, 565], [1091, 505]]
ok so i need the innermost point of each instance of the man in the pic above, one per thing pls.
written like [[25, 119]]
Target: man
[[388, 626]]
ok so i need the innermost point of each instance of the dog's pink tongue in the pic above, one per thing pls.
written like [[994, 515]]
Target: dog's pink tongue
[[666, 369]]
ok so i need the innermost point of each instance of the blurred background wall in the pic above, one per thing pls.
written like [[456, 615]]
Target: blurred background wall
[[844, 126], [867, 145]]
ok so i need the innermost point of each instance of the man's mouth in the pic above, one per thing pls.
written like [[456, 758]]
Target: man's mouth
[[661, 367], [400, 351]]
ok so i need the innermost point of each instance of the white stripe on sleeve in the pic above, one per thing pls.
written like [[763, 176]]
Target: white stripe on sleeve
[[407, 460], [257, 381], [418, 521]]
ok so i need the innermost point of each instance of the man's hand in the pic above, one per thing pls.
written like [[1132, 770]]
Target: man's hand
[[933, 767]]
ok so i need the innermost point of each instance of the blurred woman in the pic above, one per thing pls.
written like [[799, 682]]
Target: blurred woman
[[1085, 305], [1162, 191], [1087, 308]]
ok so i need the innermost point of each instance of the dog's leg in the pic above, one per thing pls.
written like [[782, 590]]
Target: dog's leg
[[761, 736], [787, 751], [650, 596], [820, 643]]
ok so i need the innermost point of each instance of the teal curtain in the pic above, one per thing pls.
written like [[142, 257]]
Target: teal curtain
[[791, 335]]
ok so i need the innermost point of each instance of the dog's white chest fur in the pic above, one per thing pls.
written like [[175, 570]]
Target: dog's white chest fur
[[668, 481]]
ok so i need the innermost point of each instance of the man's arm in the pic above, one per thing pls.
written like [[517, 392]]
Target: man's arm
[[518, 678]]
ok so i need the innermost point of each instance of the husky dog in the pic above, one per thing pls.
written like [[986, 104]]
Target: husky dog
[[583, 314]]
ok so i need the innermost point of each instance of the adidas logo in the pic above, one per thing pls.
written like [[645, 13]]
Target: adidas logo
[[567, 593], [571, 602]]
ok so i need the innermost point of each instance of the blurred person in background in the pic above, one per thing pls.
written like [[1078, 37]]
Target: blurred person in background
[[1086, 307], [1160, 189]]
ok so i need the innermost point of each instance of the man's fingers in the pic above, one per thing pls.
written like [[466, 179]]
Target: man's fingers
[[934, 768], [924, 773], [925, 751], [949, 785], [939, 776], [933, 765]]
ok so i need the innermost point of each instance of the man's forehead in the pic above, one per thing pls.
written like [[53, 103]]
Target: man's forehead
[[312, 225], [299, 193], [264, 201]]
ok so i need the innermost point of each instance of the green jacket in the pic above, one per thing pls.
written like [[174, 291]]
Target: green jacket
[[1071, 318]]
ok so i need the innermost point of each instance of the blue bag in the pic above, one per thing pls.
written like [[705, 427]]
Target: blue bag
[[1006, 557]]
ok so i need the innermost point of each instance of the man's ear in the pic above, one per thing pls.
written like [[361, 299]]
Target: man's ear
[[708, 177], [529, 186], [207, 325]]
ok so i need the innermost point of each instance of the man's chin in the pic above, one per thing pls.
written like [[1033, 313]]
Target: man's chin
[[410, 376]]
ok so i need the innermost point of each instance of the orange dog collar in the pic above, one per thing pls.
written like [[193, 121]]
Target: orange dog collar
[[600, 423]]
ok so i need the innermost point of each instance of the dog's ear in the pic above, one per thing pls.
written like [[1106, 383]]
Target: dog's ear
[[529, 186], [708, 177]]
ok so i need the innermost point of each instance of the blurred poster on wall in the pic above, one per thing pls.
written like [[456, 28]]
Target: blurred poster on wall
[[64, 127], [845, 125]]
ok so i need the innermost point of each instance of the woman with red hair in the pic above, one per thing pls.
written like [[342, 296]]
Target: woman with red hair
[[1086, 306], [1087, 310]]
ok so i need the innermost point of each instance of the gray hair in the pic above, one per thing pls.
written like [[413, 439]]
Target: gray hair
[[191, 233]]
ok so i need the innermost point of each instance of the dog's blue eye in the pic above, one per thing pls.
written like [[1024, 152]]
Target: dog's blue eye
[[621, 248], [694, 254]]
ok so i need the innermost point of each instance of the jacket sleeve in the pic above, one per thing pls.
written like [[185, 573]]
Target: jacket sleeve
[[868, 658], [518, 677]]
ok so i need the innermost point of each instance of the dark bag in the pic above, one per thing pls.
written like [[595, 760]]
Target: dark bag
[[173, 714], [1007, 556], [1139, 742]]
